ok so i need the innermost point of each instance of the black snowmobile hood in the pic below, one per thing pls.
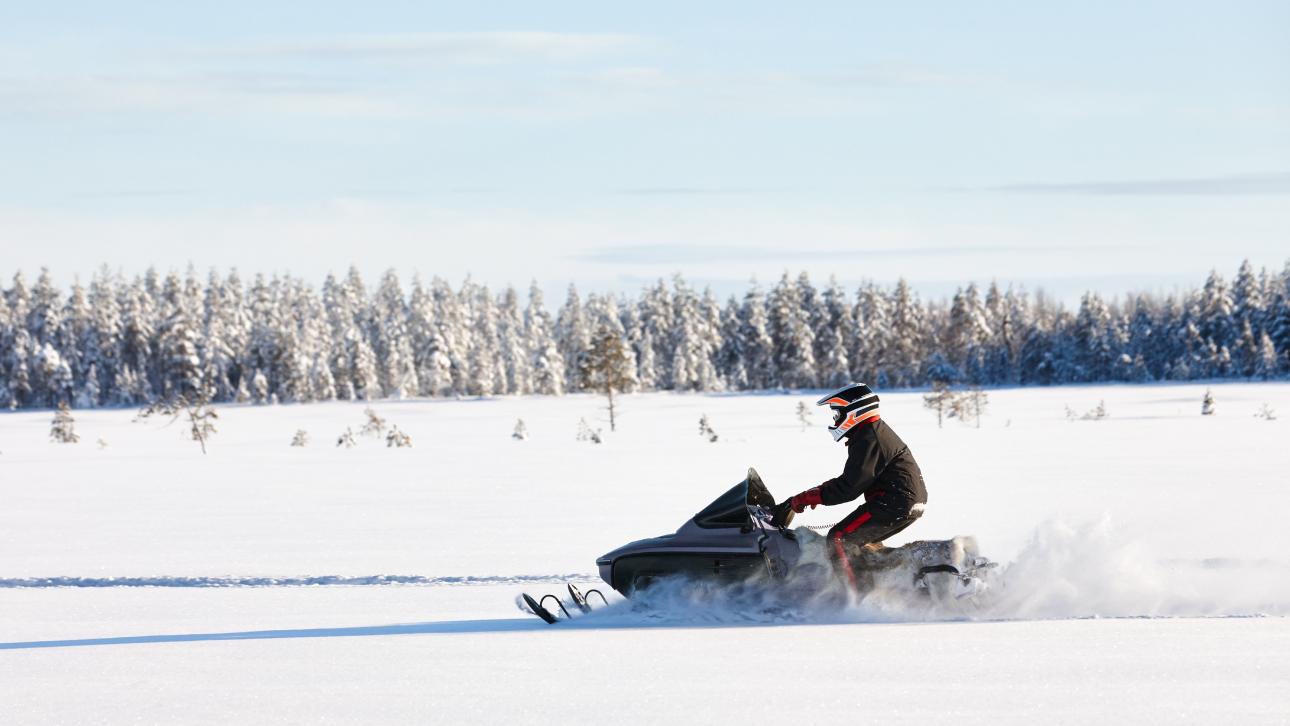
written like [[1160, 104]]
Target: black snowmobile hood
[[731, 509]]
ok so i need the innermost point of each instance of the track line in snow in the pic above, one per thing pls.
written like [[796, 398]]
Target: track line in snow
[[309, 581]]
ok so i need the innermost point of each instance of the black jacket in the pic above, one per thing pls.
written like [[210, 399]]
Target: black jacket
[[876, 460]]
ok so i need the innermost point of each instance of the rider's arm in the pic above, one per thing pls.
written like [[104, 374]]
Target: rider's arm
[[864, 462]]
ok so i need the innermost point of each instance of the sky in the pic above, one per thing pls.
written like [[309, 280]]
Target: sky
[[1104, 145]]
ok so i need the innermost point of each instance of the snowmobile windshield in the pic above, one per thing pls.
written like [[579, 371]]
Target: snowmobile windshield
[[731, 509]]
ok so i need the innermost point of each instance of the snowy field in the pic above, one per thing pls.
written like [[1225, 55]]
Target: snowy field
[[1146, 566]]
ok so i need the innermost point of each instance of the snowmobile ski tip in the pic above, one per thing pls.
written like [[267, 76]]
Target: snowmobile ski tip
[[537, 609]]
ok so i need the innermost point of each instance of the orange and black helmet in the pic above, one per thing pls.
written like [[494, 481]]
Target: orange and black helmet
[[851, 406]]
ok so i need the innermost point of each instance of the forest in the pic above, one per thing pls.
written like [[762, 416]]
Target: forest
[[126, 342]]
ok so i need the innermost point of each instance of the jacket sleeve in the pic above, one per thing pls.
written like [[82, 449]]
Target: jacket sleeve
[[865, 462]]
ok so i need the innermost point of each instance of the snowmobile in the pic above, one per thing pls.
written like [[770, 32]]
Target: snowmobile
[[733, 540]]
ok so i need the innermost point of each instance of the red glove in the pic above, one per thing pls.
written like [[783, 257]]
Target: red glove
[[809, 498]]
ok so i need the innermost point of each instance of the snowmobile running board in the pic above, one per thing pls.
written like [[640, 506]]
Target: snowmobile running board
[[538, 606]]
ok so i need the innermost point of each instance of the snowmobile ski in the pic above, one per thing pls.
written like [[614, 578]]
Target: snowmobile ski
[[535, 608], [538, 606], [580, 598]]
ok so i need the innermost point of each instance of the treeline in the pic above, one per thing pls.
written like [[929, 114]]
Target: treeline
[[132, 341]]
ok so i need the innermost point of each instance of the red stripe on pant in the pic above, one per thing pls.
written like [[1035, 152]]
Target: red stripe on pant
[[842, 553]]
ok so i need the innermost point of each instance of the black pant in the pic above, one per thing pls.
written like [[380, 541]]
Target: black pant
[[880, 517]]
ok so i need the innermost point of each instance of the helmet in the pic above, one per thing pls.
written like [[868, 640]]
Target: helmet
[[851, 407]]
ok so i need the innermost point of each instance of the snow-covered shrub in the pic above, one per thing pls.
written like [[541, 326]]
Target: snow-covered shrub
[[63, 427], [705, 429], [1266, 413], [803, 415], [103, 444], [301, 438], [586, 433], [346, 438], [260, 387], [398, 439], [375, 425], [521, 431], [1207, 404], [1097, 413]]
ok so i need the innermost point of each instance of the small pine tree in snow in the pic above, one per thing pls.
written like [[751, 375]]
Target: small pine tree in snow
[[521, 431], [705, 429], [195, 406], [608, 367], [346, 438], [301, 438], [63, 428], [1266, 413], [375, 425], [586, 433], [397, 439], [1207, 404], [804, 415], [969, 405], [260, 387], [941, 400]]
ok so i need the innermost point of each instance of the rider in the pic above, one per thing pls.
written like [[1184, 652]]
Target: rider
[[879, 466]]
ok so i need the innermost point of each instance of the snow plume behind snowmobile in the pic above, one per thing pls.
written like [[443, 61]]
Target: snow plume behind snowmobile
[[732, 540]]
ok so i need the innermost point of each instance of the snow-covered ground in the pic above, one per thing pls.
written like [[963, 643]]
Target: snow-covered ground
[[1147, 565]]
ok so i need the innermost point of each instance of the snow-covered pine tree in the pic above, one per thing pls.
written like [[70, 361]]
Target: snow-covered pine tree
[[367, 380], [967, 332], [1215, 308], [573, 338], [755, 342], [44, 314], [6, 348], [486, 375], [453, 327], [791, 332], [873, 337], [693, 341], [76, 341], [53, 376], [1248, 305], [392, 341], [434, 372], [731, 357], [834, 331], [548, 366], [63, 428], [656, 312], [1265, 366], [1095, 351], [1279, 327], [512, 345], [180, 368], [907, 336]]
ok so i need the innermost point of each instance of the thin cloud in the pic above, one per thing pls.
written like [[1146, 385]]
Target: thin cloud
[[709, 254], [1273, 183], [484, 47], [686, 191]]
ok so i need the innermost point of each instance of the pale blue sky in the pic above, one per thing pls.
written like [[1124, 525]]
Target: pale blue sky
[[1095, 144]]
